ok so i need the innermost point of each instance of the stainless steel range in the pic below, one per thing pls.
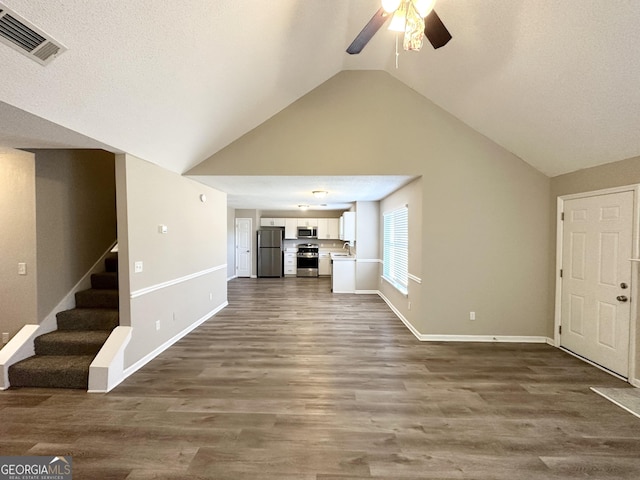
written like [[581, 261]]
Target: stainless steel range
[[307, 261]]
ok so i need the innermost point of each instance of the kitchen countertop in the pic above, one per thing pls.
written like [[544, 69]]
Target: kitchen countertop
[[342, 257]]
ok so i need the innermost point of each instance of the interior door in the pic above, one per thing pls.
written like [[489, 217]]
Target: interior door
[[596, 248], [243, 247]]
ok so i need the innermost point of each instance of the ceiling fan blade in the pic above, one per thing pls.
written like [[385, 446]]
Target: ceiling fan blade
[[435, 31], [368, 31]]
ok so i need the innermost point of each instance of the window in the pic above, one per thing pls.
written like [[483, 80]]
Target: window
[[395, 248]]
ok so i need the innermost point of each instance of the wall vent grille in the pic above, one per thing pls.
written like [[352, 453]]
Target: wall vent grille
[[26, 38]]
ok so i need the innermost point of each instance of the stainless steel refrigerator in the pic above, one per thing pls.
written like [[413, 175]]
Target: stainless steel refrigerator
[[270, 252]]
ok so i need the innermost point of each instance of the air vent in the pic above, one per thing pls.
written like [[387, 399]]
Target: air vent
[[26, 38]]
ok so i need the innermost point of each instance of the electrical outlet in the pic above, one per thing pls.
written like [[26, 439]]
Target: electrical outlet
[[472, 315], [22, 268], [409, 306], [137, 267], [5, 337], [157, 324], [210, 296]]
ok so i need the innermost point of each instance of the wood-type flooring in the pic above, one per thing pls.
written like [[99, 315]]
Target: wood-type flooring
[[292, 382]]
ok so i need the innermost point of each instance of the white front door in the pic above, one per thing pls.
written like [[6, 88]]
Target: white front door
[[243, 247], [596, 248]]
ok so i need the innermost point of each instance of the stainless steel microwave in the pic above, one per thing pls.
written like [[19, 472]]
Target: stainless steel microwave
[[307, 232]]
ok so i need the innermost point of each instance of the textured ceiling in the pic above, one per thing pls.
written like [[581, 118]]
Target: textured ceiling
[[553, 81]]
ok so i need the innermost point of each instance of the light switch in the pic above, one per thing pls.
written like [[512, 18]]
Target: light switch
[[162, 229], [22, 268]]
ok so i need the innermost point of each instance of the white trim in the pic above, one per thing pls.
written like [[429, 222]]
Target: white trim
[[394, 285], [463, 338], [559, 253], [368, 260], [635, 252], [414, 278], [150, 356], [176, 281], [400, 316], [18, 348], [603, 395], [231, 278], [484, 338], [366, 292], [106, 369]]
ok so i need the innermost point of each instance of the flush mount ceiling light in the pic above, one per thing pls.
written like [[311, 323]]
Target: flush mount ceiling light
[[416, 18], [303, 207], [320, 193]]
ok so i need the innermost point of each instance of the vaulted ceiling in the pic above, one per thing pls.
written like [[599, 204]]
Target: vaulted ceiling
[[553, 81]]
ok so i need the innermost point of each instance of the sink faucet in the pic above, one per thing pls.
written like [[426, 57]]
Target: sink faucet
[[347, 245]]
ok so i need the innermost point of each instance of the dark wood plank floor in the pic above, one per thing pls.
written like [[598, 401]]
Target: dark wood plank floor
[[293, 382]]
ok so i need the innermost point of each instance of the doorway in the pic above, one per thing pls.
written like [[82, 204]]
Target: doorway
[[243, 247], [595, 243]]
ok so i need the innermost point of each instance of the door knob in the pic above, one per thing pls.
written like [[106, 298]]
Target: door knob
[[624, 285], [622, 298]]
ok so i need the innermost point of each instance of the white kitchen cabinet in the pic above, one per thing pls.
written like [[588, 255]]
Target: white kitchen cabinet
[[343, 276], [328, 228], [324, 264], [347, 226], [307, 222], [291, 228], [290, 263], [272, 222]]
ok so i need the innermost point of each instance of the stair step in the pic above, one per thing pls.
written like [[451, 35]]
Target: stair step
[[111, 262], [97, 298], [105, 281], [69, 342], [50, 371], [88, 319]]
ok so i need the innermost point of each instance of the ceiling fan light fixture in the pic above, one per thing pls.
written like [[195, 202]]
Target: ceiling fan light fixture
[[399, 20], [320, 193], [424, 7], [390, 6]]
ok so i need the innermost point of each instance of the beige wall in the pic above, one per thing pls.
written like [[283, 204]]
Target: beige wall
[[18, 293], [616, 174], [367, 246], [184, 275], [231, 243], [484, 212], [76, 218]]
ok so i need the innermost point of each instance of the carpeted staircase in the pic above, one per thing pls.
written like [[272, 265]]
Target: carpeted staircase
[[63, 356]]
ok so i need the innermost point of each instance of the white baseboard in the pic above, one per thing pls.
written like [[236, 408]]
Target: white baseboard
[[463, 338], [147, 358], [367, 292], [231, 278], [483, 338]]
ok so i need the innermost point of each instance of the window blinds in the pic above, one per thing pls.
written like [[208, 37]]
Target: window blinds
[[395, 249]]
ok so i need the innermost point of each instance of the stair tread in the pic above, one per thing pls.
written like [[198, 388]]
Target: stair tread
[[71, 342], [52, 371], [97, 298], [75, 336], [88, 319], [55, 362]]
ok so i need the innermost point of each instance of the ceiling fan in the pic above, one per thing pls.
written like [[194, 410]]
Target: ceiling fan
[[416, 18]]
